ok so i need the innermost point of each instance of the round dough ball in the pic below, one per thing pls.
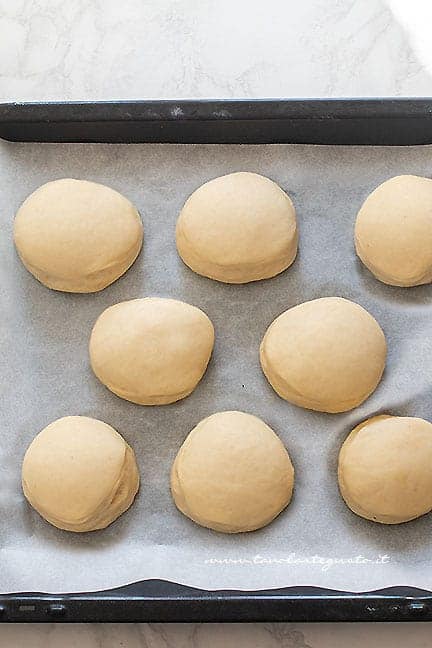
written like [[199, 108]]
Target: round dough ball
[[393, 231], [151, 351], [79, 474], [232, 473], [385, 469], [237, 228], [326, 355], [77, 236]]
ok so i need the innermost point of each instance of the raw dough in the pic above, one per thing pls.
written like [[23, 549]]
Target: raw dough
[[79, 474], [232, 473], [151, 351], [385, 469], [77, 236], [393, 232], [327, 354], [237, 228]]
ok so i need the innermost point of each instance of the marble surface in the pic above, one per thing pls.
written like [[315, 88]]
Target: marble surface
[[263, 635], [106, 49]]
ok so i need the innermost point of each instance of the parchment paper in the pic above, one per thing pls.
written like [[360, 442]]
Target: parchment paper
[[45, 374]]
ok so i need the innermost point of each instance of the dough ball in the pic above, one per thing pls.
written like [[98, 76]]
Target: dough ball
[[237, 228], [79, 474], [327, 354], [385, 469], [77, 236], [151, 351], [232, 473], [393, 231]]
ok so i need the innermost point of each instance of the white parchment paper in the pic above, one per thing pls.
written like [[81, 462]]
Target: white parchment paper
[[45, 374]]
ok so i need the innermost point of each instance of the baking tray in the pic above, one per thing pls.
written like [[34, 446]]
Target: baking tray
[[373, 122]]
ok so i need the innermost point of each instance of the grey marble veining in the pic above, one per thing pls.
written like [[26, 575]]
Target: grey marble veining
[[106, 49], [272, 635]]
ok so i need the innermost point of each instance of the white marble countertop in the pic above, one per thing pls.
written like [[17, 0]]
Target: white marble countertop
[[135, 49], [106, 49]]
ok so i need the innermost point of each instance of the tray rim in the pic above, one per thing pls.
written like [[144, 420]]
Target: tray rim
[[159, 601], [368, 121], [208, 108]]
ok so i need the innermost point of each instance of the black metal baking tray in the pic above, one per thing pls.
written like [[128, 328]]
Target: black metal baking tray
[[335, 121]]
